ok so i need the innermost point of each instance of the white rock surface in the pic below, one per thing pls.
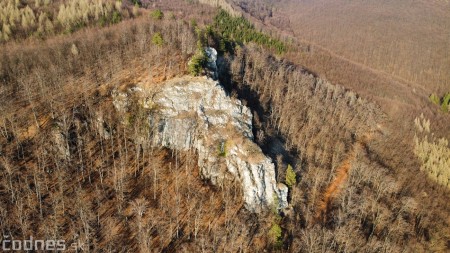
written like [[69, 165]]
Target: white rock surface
[[211, 53], [120, 100], [196, 113], [283, 191]]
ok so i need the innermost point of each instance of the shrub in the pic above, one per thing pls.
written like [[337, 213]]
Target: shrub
[[157, 14], [275, 235], [445, 102], [116, 18], [197, 62], [434, 99], [157, 40], [291, 178], [193, 22]]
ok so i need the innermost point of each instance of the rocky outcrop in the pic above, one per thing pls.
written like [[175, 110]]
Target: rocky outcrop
[[197, 113]]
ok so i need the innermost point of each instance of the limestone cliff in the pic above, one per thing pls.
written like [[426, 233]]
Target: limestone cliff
[[196, 113]]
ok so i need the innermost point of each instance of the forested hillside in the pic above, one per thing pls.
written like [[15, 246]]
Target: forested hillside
[[76, 167], [354, 194], [393, 53]]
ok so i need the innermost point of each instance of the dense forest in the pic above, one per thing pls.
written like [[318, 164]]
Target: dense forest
[[74, 168]]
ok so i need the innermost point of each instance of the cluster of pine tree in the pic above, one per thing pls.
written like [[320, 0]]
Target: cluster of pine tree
[[241, 31], [226, 32]]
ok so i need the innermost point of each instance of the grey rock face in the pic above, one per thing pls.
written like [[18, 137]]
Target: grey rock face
[[283, 191], [120, 100], [196, 113], [211, 53]]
